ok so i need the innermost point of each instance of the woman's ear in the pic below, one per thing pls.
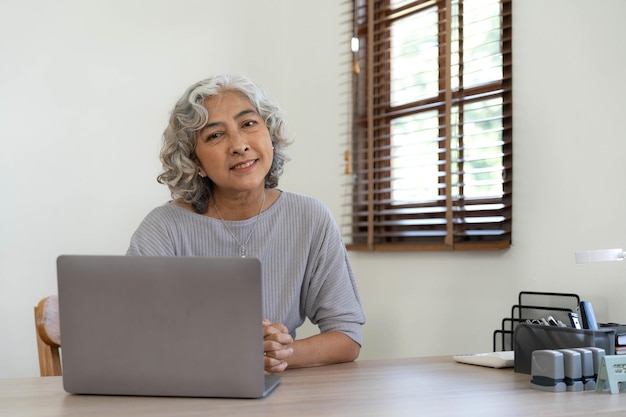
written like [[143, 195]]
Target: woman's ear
[[200, 170]]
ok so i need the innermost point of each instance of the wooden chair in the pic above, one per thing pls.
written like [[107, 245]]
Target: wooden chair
[[48, 336]]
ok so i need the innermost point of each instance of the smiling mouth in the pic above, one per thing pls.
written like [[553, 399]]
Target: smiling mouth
[[244, 165]]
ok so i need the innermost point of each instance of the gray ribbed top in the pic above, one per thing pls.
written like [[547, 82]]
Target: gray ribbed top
[[306, 271]]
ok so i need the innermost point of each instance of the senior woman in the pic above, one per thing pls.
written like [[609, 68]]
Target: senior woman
[[222, 156]]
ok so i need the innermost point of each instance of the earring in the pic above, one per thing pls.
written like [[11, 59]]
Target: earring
[[201, 174]]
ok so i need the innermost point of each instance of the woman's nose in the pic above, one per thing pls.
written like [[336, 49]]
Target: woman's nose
[[238, 143]]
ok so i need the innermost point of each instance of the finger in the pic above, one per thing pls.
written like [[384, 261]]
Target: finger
[[269, 330], [279, 354], [274, 365], [276, 369], [270, 346], [274, 327], [281, 327], [280, 338]]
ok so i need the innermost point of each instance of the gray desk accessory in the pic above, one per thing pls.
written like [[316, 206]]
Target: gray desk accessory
[[573, 370], [598, 354], [548, 371], [588, 378]]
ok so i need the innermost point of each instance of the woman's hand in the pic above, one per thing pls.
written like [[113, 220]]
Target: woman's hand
[[276, 346]]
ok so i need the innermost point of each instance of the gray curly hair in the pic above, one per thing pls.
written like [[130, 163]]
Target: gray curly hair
[[180, 171]]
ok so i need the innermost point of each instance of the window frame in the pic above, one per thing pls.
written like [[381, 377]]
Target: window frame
[[376, 225]]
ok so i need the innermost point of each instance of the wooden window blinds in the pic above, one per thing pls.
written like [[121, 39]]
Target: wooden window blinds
[[430, 157]]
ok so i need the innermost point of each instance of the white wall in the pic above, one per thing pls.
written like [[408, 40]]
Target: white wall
[[85, 91]]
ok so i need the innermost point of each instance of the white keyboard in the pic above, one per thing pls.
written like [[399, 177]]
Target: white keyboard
[[492, 359]]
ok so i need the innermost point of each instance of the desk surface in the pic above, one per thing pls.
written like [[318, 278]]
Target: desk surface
[[398, 387]]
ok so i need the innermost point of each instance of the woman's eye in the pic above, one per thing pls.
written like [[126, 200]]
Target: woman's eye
[[214, 135], [249, 123]]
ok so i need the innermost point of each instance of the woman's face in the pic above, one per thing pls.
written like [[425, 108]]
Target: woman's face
[[234, 149]]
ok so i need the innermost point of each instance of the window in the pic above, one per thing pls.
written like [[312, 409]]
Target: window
[[430, 158]]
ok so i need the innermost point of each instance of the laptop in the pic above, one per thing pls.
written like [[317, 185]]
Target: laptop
[[162, 326]]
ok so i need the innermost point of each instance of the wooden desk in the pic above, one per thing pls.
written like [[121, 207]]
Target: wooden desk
[[401, 387]]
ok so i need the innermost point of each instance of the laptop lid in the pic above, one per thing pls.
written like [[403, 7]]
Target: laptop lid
[[162, 326]]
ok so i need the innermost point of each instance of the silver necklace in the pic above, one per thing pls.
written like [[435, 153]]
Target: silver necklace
[[242, 247]]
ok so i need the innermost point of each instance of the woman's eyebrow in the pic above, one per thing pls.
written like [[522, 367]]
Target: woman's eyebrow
[[246, 112], [238, 116]]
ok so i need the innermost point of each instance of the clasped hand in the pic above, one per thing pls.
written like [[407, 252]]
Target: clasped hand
[[276, 346]]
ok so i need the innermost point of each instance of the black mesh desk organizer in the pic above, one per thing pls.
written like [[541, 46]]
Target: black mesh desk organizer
[[531, 337], [523, 338], [532, 305]]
